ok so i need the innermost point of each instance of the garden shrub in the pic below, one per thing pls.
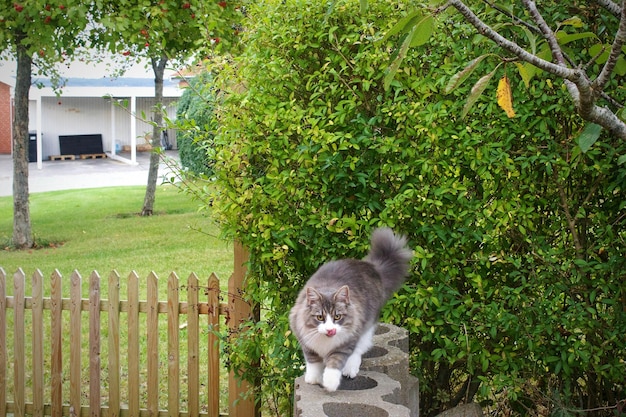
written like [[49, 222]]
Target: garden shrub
[[517, 292], [196, 123]]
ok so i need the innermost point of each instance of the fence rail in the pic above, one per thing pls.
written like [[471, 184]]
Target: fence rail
[[61, 370]]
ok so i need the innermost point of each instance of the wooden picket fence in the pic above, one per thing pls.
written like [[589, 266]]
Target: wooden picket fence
[[27, 375]]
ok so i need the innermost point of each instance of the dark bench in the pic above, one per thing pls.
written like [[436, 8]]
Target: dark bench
[[81, 144]]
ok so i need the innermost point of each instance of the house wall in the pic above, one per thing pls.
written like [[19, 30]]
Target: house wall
[[70, 116], [91, 115], [145, 107], [5, 118]]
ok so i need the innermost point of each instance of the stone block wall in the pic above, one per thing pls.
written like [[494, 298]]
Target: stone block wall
[[383, 387]]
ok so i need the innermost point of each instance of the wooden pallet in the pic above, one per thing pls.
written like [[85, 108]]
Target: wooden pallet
[[92, 155], [62, 157]]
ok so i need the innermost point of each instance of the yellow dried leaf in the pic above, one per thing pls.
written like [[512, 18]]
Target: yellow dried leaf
[[504, 96]]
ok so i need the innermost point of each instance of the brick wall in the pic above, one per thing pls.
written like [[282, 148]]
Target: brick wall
[[5, 118]]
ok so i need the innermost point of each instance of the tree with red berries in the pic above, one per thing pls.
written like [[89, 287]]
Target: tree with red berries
[[161, 32], [37, 34]]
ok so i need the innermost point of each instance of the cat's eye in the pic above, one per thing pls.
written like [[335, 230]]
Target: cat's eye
[[337, 317], [319, 317]]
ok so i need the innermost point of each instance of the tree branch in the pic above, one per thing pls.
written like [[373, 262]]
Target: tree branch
[[592, 192], [572, 86], [611, 6], [512, 47], [532, 28], [616, 51], [547, 33], [579, 86], [511, 16], [571, 221]]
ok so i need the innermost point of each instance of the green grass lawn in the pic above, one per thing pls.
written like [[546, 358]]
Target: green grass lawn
[[99, 229]]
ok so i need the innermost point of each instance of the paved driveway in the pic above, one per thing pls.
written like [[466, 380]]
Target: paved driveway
[[81, 173]]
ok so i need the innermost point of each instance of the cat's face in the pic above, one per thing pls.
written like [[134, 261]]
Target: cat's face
[[328, 314]]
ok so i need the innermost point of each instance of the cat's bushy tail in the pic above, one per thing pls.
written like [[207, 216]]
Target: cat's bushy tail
[[390, 255]]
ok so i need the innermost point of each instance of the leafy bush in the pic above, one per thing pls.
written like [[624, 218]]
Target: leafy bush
[[518, 283], [196, 121]]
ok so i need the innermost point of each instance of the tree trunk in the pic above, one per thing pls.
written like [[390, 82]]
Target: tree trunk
[[22, 234], [158, 66]]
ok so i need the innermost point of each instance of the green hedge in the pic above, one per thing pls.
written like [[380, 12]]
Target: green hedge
[[196, 122], [517, 292]]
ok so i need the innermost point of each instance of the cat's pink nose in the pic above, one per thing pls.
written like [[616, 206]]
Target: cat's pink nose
[[331, 332]]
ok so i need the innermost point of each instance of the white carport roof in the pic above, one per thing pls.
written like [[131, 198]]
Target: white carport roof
[[105, 86]]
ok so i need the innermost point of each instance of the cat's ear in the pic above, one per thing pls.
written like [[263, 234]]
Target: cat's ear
[[312, 296], [342, 295]]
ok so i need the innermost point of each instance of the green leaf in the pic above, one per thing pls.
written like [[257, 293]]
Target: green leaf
[[573, 21], [524, 73], [423, 31], [565, 38], [460, 77], [477, 91], [330, 9], [530, 70], [419, 33], [403, 25], [589, 136], [621, 160], [544, 52], [393, 68], [620, 66], [364, 6], [600, 52], [532, 39]]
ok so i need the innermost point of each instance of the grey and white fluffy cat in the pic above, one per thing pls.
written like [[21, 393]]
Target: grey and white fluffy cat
[[336, 313]]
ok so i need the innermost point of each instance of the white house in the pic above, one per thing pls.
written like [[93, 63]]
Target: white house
[[118, 109]]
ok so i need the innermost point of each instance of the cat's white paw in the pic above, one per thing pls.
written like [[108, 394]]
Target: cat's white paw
[[313, 374], [332, 379], [352, 366]]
